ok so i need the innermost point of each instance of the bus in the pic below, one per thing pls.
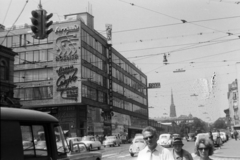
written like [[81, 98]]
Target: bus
[[33, 135]]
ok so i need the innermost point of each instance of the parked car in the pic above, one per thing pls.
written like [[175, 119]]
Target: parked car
[[137, 145], [74, 139], [91, 142], [176, 135], [191, 137], [223, 136], [79, 151], [165, 140], [201, 135], [111, 141]]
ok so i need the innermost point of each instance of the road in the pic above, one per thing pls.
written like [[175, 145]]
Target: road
[[121, 153]]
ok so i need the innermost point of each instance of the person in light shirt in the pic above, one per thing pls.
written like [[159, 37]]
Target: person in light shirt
[[153, 151]]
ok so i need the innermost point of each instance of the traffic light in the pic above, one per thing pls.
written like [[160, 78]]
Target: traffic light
[[36, 23], [47, 24], [40, 24]]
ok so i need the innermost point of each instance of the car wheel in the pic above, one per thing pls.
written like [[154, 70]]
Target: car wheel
[[115, 144], [104, 146], [90, 147], [132, 154], [99, 148], [119, 144]]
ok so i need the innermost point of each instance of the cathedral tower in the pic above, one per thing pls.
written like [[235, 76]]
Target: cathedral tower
[[172, 107]]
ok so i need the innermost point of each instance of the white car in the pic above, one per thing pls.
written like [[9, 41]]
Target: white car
[[74, 139], [223, 136], [137, 145], [79, 151], [91, 142], [201, 135], [165, 140], [111, 141]]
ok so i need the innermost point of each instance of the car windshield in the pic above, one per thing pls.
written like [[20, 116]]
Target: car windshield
[[164, 137], [139, 141], [86, 138], [111, 137]]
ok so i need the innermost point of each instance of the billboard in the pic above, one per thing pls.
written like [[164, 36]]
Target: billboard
[[154, 85]]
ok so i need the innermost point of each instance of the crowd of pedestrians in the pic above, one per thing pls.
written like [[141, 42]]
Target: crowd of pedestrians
[[204, 147]]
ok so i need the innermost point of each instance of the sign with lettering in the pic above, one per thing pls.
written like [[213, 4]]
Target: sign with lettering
[[67, 28], [67, 75], [67, 48], [154, 85]]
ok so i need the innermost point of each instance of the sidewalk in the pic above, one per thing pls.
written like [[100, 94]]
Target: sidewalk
[[229, 150]]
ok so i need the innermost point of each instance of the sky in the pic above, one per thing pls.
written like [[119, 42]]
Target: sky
[[199, 37]]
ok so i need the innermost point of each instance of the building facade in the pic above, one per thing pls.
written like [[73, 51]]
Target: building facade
[[233, 100], [67, 76], [6, 78]]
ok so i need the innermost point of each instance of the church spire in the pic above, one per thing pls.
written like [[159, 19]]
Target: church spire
[[172, 107]]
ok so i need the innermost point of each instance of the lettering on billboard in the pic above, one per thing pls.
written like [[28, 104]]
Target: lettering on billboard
[[67, 75], [66, 29], [154, 85]]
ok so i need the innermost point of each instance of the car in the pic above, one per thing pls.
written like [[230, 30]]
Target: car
[[74, 139], [165, 140], [201, 135], [223, 136], [191, 137], [111, 141], [176, 135], [79, 151], [137, 145], [91, 142]]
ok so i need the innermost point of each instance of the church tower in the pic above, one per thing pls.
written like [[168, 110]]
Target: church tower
[[172, 107]]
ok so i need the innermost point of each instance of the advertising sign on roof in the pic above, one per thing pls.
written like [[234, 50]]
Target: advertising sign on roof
[[154, 85]]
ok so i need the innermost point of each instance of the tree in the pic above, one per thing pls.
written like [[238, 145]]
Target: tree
[[220, 124]]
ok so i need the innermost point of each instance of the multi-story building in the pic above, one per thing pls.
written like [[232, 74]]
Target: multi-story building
[[233, 110], [6, 78], [67, 75]]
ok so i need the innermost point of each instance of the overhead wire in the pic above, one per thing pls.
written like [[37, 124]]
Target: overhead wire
[[15, 21], [7, 12], [182, 20]]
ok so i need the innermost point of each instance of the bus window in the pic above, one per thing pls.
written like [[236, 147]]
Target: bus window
[[34, 141]]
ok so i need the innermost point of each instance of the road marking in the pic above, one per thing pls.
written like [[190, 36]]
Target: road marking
[[127, 155], [107, 155]]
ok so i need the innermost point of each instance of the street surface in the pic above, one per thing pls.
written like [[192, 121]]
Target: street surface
[[121, 153]]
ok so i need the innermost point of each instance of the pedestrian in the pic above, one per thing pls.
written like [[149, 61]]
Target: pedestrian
[[203, 149], [178, 152], [219, 140], [153, 151], [235, 134], [210, 135]]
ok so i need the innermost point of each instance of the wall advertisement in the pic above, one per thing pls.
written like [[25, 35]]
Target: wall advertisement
[[66, 72]]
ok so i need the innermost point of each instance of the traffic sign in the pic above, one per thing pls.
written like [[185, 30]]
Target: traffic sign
[[154, 85]]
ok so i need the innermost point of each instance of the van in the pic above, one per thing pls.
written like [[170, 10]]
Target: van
[[31, 135]]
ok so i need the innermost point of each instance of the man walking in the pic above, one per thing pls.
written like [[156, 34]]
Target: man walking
[[153, 151], [235, 134], [178, 152]]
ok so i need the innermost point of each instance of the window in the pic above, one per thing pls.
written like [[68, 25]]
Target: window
[[43, 55], [3, 70], [34, 141], [34, 93]]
